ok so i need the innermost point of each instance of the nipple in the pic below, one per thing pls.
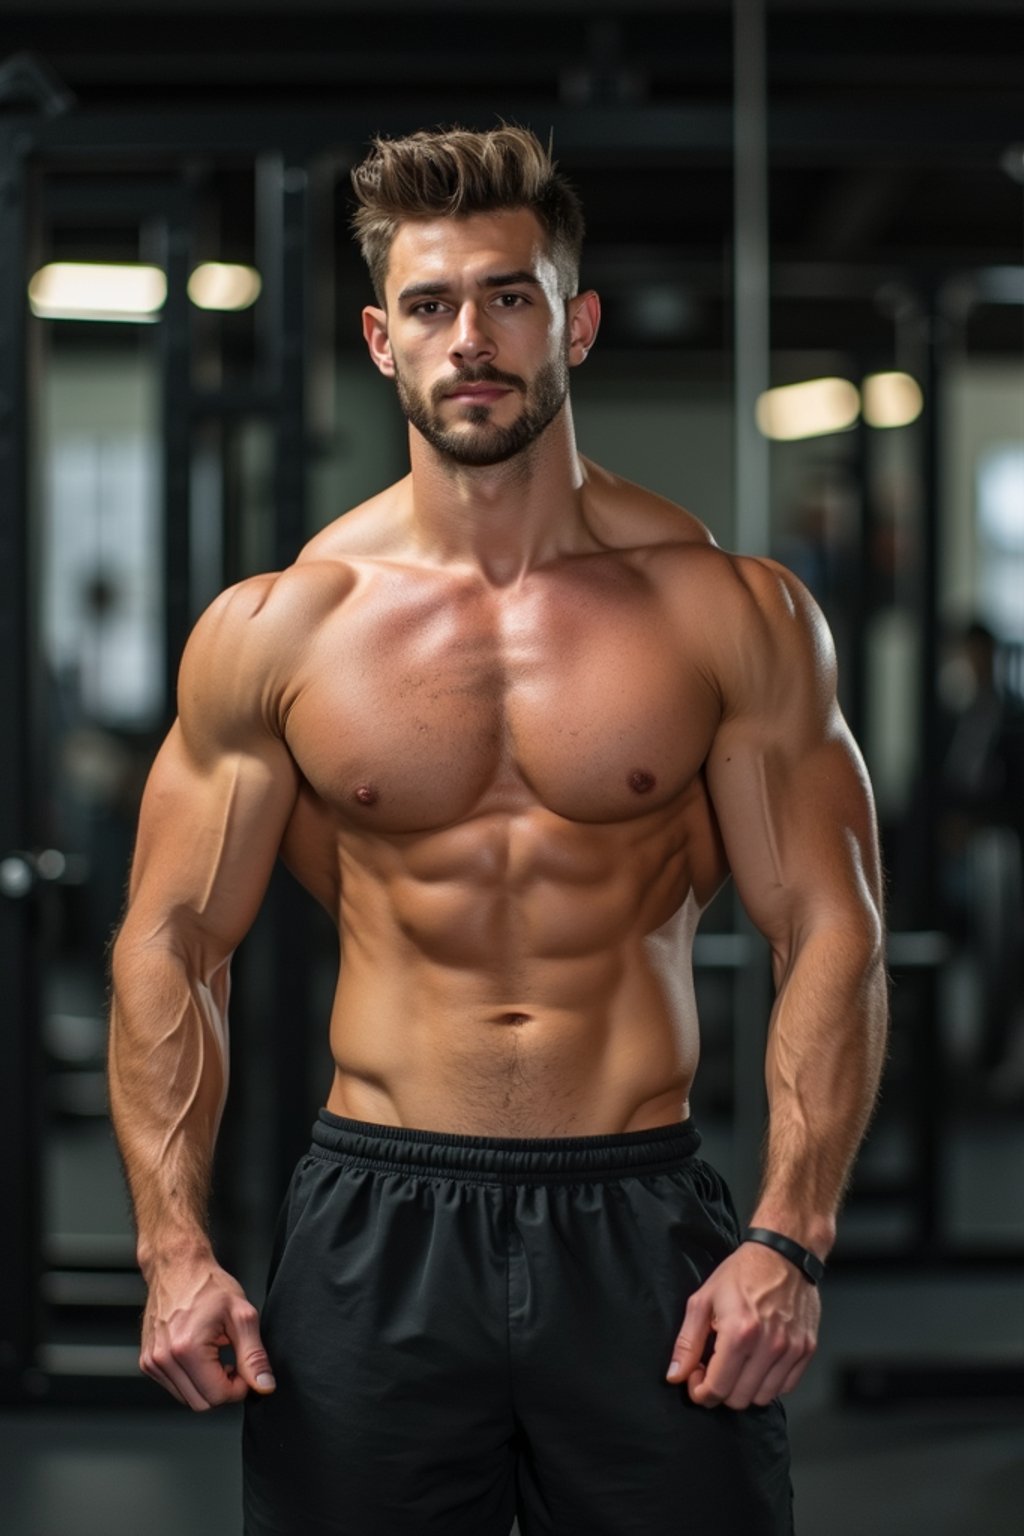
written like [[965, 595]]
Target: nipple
[[366, 794], [642, 781]]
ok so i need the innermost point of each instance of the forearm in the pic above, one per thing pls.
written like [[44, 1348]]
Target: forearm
[[168, 1068], [824, 1057]]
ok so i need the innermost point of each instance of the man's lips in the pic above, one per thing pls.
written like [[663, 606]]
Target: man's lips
[[479, 392]]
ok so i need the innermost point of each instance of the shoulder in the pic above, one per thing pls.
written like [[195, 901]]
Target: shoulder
[[773, 645], [244, 652], [748, 624], [265, 612], [625, 515]]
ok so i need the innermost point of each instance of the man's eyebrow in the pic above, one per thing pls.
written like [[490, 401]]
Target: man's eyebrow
[[436, 290], [424, 290], [510, 279]]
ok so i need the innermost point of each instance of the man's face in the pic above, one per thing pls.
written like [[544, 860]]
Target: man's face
[[476, 333]]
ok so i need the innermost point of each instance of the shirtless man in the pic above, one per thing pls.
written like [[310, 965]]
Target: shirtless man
[[512, 722]]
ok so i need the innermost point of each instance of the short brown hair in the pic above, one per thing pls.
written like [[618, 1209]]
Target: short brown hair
[[457, 172]]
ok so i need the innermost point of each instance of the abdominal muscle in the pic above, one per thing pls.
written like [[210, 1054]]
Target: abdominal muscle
[[558, 1003]]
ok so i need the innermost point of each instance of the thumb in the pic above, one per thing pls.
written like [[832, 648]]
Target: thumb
[[251, 1359], [688, 1350]]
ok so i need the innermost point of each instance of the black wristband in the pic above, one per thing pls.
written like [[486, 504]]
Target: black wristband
[[809, 1265]]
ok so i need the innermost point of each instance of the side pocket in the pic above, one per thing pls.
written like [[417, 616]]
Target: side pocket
[[296, 1199], [717, 1201]]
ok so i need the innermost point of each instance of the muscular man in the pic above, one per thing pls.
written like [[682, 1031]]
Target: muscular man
[[512, 722]]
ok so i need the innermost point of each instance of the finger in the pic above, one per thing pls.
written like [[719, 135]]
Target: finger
[[165, 1368], [214, 1380], [162, 1381], [251, 1359], [761, 1377], [733, 1348], [797, 1372], [688, 1349], [785, 1373]]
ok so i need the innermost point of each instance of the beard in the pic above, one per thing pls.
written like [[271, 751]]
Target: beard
[[488, 443]]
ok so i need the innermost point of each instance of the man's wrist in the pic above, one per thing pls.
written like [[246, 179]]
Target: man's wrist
[[172, 1252], [814, 1232], [808, 1263]]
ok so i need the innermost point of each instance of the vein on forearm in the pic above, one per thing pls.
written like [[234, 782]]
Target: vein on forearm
[[168, 1084], [825, 1048]]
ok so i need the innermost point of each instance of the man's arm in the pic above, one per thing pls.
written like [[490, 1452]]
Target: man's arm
[[794, 807], [215, 807]]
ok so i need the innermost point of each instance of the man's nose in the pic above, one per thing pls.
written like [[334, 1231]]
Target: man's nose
[[471, 342]]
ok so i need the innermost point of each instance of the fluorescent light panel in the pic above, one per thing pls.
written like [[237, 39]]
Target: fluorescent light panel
[[94, 290], [811, 409], [224, 285], [891, 399]]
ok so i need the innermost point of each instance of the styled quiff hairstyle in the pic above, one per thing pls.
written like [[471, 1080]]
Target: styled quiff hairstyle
[[454, 172]]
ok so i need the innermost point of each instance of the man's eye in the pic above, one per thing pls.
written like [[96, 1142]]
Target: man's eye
[[427, 307], [511, 300]]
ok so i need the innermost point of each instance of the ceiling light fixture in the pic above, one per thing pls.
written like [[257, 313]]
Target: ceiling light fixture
[[811, 409], [95, 290]]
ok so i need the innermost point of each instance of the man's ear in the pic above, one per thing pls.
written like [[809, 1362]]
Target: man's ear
[[584, 319], [375, 330]]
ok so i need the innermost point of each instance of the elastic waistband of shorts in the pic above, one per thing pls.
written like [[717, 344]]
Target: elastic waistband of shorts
[[503, 1159]]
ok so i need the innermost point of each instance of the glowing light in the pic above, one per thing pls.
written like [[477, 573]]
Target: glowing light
[[810, 409], [891, 399], [94, 290], [224, 285], [1000, 480]]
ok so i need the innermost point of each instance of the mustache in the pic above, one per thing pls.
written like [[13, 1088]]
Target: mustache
[[484, 373]]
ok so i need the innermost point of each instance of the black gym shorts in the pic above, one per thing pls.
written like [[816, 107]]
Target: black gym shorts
[[467, 1329]]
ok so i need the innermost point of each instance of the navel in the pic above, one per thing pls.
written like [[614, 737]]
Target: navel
[[642, 781], [512, 1018], [365, 794]]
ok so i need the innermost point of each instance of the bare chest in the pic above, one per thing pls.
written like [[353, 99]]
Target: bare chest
[[422, 710]]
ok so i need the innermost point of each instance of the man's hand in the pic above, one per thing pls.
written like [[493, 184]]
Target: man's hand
[[195, 1310], [764, 1317]]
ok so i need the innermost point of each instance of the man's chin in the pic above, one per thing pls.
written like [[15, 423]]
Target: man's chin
[[480, 455], [476, 447]]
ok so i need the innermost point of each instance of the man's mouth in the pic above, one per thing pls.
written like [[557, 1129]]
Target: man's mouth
[[479, 393]]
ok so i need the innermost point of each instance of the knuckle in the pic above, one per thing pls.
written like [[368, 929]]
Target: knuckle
[[746, 1332], [246, 1314]]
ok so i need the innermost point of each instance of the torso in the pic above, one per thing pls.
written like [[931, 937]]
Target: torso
[[504, 806]]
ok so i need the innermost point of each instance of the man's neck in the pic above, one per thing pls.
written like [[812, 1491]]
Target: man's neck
[[504, 519]]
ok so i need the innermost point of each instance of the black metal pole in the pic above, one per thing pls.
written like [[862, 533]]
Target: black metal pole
[[21, 1068]]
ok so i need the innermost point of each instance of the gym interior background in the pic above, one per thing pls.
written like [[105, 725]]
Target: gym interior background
[[777, 193]]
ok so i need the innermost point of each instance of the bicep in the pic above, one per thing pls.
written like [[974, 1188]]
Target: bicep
[[798, 827], [787, 781]]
